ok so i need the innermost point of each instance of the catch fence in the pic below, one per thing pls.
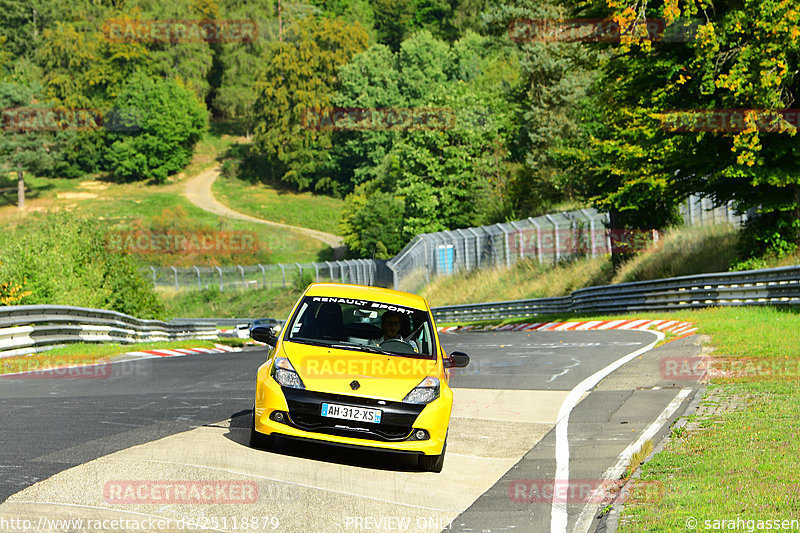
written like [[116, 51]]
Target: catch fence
[[547, 239]]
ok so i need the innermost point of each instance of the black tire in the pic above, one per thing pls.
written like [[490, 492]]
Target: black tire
[[259, 440], [432, 463]]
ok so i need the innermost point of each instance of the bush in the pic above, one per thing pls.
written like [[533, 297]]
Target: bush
[[164, 122], [65, 261]]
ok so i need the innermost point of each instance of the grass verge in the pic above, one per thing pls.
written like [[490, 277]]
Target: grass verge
[[303, 209], [742, 464]]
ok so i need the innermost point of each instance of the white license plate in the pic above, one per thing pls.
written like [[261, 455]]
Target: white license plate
[[347, 412]]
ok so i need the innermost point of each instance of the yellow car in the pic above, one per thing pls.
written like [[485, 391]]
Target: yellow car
[[357, 366]]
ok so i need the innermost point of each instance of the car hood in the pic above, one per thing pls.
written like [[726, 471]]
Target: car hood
[[332, 370]]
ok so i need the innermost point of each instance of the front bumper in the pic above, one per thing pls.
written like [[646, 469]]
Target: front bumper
[[395, 432]]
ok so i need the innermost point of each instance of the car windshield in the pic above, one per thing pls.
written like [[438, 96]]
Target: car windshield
[[363, 325]]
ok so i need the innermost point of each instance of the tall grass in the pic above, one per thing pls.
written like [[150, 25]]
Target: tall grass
[[526, 279], [682, 251], [268, 202], [685, 251]]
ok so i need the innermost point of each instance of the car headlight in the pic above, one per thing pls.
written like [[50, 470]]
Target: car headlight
[[284, 373], [425, 392]]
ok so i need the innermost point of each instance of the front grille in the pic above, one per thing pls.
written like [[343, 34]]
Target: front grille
[[350, 428], [396, 424]]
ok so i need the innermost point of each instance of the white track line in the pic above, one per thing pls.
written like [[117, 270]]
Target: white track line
[[558, 514], [615, 472]]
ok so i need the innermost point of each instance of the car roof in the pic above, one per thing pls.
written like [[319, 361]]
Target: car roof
[[378, 294]]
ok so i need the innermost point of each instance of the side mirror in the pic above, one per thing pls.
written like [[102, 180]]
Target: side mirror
[[456, 360], [264, 334]]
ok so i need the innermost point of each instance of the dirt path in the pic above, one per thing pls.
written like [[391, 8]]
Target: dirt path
[[198, 191]]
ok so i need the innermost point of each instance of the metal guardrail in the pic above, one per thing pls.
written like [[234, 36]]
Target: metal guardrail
[[28, 328], [774, 286], [248, 277], [31, 328], [222, 322]]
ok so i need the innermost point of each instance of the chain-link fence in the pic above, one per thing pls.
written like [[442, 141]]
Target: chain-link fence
[[546, 239], [700, 210], [358, 271]]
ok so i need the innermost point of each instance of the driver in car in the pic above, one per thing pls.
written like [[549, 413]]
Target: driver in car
[[391, 326]]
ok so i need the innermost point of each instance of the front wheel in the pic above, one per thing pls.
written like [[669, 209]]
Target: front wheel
[[259, 440], [432, 463]]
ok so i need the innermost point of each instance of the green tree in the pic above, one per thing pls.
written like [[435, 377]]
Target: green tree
[[373, 223], [26, 145], [392, 21], [239, 62], [450, 174], [22, 23], [556, 77], [743, 56], [297, 79], [165, 122], [371, 80]]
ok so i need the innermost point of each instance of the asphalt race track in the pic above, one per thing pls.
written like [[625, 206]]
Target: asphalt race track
[[80, 447]]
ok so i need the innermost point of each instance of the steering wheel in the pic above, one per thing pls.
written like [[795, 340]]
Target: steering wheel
[[398, 345]]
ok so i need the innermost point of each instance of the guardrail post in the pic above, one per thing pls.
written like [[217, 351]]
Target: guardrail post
[[221, 286], [175, 271], [283, 274], [300, 271], [263, 276], [199, 285], [153, 269], [316, 270], [242, 272]]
